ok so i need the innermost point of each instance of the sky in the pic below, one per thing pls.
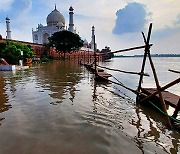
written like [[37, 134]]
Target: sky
[[118, 23]]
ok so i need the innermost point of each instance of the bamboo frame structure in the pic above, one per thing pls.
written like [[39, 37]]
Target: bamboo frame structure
[[138, 92], [147, 52]]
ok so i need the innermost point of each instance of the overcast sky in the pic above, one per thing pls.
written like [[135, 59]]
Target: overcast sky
[[118, 23]]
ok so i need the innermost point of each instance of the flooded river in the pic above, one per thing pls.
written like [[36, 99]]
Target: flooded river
[[57, 107]]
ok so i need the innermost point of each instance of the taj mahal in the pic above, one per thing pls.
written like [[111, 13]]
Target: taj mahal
[[55, 22]]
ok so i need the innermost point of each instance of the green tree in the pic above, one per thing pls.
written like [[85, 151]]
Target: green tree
[[11, 51], [46, 49], [45, 57], [2, 47], [65, 41]]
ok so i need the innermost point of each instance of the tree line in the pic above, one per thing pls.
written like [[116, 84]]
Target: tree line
[[63, 42]]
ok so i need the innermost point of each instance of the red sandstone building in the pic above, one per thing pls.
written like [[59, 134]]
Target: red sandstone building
[[38, 49]]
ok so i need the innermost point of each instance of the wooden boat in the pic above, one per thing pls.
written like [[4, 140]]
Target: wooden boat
[[102, 76], [169, 99]]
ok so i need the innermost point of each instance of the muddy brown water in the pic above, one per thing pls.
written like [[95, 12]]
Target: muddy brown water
[[57, 107]]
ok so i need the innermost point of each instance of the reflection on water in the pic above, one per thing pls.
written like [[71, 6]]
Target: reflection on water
[[59, 79], [4, 106], [58, 108]]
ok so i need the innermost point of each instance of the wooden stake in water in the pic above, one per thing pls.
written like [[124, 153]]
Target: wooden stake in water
[[95, 60]]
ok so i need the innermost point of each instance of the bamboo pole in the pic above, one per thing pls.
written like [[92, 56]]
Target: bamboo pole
[[84, 57], [138, 73], [95, 60], [176, 110], [174, 71], [158, 88], [88, 56]]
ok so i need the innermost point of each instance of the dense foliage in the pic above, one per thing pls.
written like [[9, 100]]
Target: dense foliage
[[11, 51], [65, 41]]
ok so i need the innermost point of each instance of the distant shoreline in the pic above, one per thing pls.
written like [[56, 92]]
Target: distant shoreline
[[153, 55]]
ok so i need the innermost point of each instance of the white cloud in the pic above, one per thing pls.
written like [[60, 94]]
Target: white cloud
[[164, 11], [5, 4], [19, 7], [131, 18]]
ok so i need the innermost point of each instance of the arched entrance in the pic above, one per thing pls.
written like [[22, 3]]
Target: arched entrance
[[45, 38], [36, 38]]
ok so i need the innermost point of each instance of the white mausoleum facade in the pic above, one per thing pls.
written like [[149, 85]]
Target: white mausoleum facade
[[55, 22]]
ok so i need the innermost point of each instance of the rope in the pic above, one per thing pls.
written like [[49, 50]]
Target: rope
[[134, 91], [120, 84], [138, 73], [125, 96], [178, 121], [117, 79]]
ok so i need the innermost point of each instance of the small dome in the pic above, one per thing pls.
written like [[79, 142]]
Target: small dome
[[7, 18], [85, 41], [71, 8], [55, 17]]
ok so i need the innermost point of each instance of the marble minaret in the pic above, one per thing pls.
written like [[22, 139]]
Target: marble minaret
[[92, 38], [71, 22], [8, 28]]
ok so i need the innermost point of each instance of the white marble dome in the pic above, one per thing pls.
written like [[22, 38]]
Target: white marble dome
[[55, 17]]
